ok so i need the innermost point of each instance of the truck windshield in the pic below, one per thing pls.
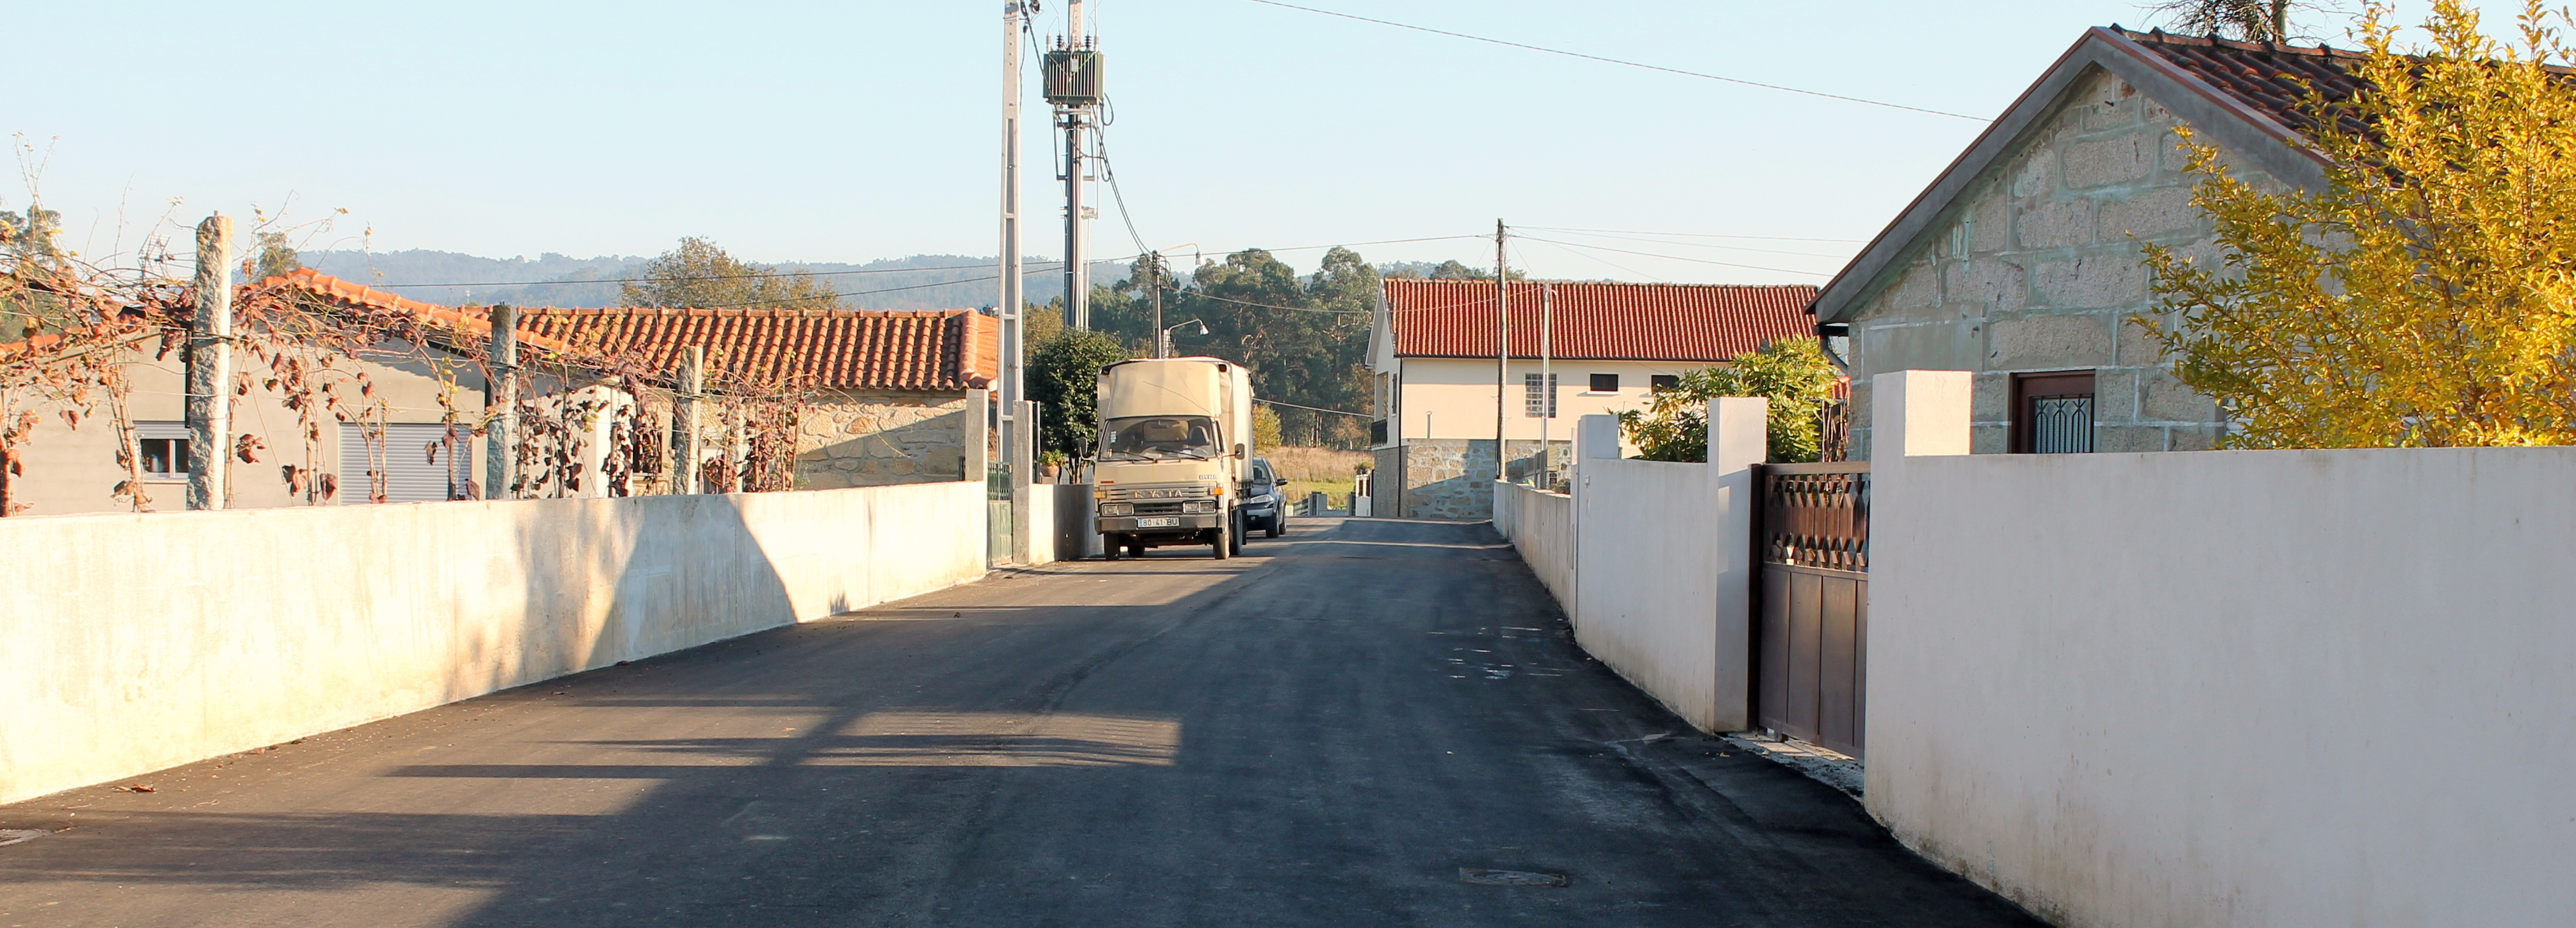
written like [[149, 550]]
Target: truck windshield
[[1139, 438]]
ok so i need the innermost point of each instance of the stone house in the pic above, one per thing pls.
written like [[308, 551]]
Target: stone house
[[1606, 347], [895, 397], [2022, 263], [413, 395]]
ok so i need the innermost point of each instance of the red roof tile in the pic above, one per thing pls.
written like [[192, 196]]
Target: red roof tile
[[831, 349], [1597, 321], [473, 328]]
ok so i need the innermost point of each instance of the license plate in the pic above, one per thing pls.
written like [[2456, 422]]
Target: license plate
[[1165, 522]]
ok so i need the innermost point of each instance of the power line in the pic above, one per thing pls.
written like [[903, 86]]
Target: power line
[[1649, 254], [1633, 64], [1763, 238], [1337, 412], [640, 280], [1767, 251]]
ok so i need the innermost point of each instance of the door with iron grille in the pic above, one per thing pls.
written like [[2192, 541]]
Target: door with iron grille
[[1811, 642]]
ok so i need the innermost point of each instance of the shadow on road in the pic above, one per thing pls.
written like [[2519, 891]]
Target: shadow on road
[[1362, 724]]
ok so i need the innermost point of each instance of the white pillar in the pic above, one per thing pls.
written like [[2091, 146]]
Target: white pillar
[[1596, 438], [1913, 414], [1738, 439]]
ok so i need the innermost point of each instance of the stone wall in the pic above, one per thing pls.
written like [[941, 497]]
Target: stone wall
[[1449, 478], [2037, 267], [874, 438]]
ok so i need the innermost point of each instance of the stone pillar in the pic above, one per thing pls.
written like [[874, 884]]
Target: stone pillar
[[975, 437], [1738, 439]]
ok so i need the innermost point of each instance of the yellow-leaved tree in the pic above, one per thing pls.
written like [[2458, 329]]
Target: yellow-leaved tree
[[2426, 296]]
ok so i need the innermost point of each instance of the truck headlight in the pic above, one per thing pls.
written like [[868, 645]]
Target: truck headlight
[[1117, 509], [1199, 505]]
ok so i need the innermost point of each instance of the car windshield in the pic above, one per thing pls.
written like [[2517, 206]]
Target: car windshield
[[1157, 438]]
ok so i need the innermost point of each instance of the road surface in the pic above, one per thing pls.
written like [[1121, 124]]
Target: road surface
[[1371, 722]]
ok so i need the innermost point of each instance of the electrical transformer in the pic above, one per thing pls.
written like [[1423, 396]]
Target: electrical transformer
[[1073, 78]]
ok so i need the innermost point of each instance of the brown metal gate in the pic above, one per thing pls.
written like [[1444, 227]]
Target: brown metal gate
[[1811, 644]]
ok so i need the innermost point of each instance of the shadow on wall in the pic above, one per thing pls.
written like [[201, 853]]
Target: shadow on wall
[[655, 829]]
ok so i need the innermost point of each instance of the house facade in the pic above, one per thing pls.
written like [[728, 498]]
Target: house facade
[[886, 397], [2022, 261], [1577, 349]]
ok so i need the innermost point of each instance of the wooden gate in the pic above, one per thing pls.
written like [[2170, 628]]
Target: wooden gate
[[1812, 535]]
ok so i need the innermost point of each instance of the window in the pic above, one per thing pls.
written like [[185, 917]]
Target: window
[[1663, 382], [164, 446], [1541, 398], [165, 457], [1148, 438], [1605, 383], [2052, 413]]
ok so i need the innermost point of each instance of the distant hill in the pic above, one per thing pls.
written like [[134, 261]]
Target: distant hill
[[448, 278]]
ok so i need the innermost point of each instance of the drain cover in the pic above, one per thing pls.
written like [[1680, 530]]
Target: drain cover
[[9, 836], [1509, 877]]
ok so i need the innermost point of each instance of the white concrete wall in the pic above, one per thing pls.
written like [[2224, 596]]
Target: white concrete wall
[[1540, 525], [137, 642], [1663, 565], [1067, 530], [2256, 688]]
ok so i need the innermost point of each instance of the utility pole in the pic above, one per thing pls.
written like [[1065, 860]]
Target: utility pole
[[210, 366], [1546, 382], [1502, 352], [1016, 445], [1156, 260], [1073, 86], [501, 404]]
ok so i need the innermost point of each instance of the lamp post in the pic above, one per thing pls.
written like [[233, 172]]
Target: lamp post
[[1163, 337]]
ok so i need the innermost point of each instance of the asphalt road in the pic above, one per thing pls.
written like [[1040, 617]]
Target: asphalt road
[[1337, 729]]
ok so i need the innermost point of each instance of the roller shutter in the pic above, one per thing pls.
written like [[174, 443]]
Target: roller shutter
[[411, 477]]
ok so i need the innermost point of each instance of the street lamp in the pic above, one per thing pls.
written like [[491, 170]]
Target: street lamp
[[1163, 338]]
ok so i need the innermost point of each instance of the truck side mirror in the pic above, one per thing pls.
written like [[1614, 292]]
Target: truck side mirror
[[1238, 449]]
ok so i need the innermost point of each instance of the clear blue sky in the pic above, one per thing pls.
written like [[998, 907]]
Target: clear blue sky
[[853, 131]]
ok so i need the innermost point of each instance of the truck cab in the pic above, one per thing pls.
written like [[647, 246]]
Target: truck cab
[[1175, 455]]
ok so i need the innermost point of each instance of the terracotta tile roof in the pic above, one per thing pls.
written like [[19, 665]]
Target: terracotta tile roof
[[1597, 321], [472, 330], [830, 349]]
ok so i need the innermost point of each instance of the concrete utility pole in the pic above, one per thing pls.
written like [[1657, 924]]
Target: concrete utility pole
[[1546, 380], [691, 453], [1502, 353], [501, 405], [1074, 115], [210, 367], [1013, 298]]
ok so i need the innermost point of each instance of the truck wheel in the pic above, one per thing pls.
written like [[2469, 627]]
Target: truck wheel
[[1235, 533], [1220, 541], [1110, 545]]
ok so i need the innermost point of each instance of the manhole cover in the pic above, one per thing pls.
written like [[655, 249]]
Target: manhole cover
[[9, 836], [1509, 877]]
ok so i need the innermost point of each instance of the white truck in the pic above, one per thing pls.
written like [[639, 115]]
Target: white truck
[[1175, 451]]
